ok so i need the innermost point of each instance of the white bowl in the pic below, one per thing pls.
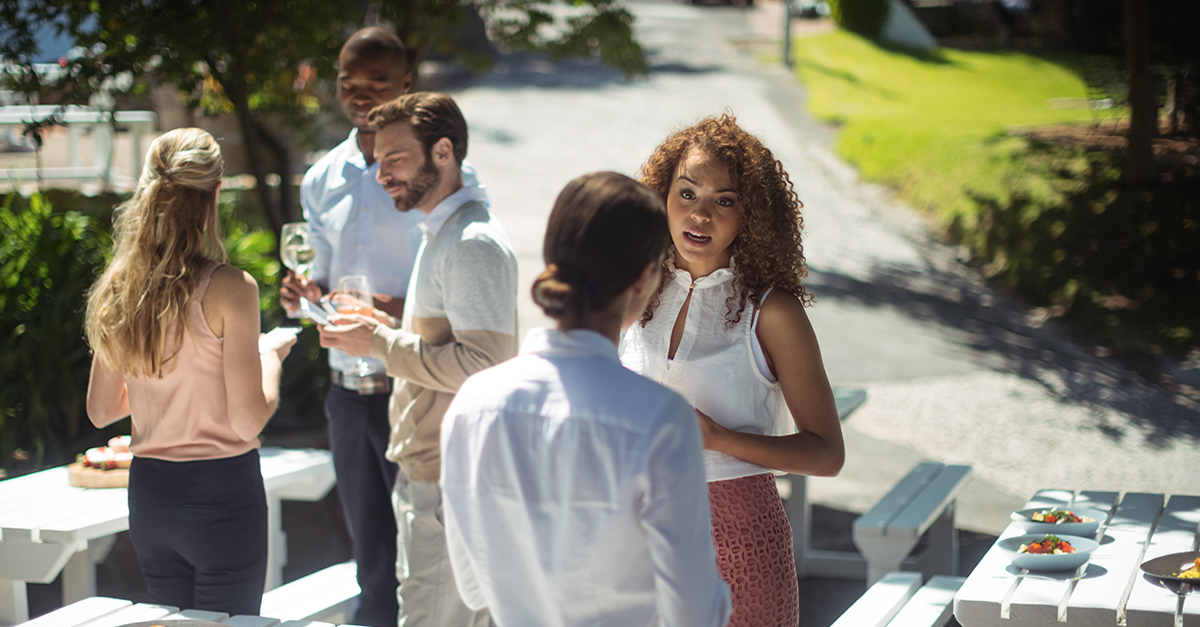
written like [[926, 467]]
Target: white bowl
[[1046, 561], [1024, 518]]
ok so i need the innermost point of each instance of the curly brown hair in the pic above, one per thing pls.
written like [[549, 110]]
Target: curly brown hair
[[767, 250]]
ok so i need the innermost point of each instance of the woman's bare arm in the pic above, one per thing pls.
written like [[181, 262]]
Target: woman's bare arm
[[792, 352], [251, 379], [107, 397]]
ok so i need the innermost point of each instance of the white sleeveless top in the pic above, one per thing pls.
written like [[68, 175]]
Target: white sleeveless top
[[714, 367]]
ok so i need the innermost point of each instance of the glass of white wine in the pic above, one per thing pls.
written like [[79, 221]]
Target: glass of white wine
[[354, 297], [297, 251]]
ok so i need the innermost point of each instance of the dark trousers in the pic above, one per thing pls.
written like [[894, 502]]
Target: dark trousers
[[200, 532], [358, 438]]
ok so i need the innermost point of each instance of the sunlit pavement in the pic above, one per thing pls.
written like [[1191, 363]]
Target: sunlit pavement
[[955, 371]]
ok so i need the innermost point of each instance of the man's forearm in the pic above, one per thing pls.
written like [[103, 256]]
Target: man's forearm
[[443, 368]]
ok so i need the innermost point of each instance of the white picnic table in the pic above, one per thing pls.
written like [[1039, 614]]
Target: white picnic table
[[1109, 590], [812, 562], [48, 527]]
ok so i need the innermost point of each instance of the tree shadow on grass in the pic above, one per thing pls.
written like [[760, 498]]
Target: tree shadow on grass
[[1042, 352], [849, 77]]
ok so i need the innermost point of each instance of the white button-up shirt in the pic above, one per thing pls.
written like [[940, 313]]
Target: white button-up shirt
[[574, 493]]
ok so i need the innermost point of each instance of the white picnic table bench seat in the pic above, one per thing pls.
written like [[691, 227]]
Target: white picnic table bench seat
[[327, 595], [899, 600], [923, 501], [108, 612]]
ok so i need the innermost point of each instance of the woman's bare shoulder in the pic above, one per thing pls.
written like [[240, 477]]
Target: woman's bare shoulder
[[782, 308], [231, 285]]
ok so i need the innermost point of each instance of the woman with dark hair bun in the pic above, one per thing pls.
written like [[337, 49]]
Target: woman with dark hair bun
[[574, 491], [727, 330]]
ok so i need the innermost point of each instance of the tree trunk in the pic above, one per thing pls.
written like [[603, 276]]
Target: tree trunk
[[237, 93], [283, 168], [1143, 110]]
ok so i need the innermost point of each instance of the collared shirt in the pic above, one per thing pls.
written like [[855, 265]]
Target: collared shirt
[[356, 228], [460, 317], [574, 493]]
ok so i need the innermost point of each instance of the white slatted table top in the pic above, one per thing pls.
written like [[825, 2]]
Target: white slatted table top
[[1110, 590], [44, 507]]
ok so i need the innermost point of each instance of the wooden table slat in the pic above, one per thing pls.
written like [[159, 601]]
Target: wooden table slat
[[1097, 599], [133, 614], [1175, 533]]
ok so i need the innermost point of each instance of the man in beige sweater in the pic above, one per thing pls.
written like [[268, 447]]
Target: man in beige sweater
[[459, 318]]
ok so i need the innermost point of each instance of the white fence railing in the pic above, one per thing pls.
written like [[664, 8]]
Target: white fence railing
[[77, 120]]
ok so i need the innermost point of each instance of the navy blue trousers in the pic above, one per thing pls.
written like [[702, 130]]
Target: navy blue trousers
[[199, 529], [358, 438]]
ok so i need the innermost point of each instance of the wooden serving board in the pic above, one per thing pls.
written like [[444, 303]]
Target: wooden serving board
[[82, 477]]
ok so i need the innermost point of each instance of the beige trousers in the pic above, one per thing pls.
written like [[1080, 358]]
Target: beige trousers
[[428, 595]]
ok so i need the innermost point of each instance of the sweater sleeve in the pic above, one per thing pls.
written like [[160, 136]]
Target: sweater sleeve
[[478, 281]]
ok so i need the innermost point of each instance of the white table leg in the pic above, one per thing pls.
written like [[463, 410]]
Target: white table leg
[[79, 574], [276, 542], [14, 604], [799, 513]]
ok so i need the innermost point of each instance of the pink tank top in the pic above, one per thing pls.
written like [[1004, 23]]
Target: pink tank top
[[184, 416]]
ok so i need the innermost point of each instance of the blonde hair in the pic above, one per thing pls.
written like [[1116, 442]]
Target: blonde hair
[[162, 238]]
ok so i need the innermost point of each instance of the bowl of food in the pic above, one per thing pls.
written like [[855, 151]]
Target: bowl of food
[[1048, 551], [1073, 521], [1183, 567]]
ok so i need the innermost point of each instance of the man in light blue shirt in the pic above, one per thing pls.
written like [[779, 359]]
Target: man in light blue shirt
[[356, 229]]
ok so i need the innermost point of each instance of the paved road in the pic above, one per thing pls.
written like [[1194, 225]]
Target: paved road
[[955, 371]]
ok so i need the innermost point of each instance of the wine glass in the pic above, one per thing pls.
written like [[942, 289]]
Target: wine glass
[[297, 251], [354, 297]]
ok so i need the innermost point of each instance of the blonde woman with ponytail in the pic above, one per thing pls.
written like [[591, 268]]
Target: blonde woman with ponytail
[[174, 333]]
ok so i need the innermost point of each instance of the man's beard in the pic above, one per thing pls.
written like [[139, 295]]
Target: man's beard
[[427, 178]]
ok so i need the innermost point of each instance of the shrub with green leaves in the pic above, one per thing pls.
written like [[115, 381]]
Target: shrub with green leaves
[[865, 17], [48, 260]]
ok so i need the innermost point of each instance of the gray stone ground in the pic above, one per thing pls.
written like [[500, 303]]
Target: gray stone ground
[[956, 371]]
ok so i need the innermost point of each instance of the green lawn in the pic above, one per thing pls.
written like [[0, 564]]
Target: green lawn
[[934, 125]]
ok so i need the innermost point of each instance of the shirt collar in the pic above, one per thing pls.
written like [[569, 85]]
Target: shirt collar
[[354, 155], [573, 343], [683, 277], [442, 212]]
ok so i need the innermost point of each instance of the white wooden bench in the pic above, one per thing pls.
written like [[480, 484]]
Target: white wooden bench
[[923, 501], [107, 612], [328, 595], [899, 600]]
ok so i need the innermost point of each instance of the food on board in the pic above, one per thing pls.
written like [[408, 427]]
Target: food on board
[[1058, 516], [1049, 545], [102, 466]]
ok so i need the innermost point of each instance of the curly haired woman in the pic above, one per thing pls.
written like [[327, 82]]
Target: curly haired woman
[[728, 331]]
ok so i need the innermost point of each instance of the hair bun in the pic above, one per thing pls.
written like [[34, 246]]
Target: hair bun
[[553, 292]]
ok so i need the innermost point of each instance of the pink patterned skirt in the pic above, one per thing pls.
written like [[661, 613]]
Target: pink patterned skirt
[[754, 551]]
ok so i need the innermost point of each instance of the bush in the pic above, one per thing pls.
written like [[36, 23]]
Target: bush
[[865, 17], [48, 260], [1122, 264]]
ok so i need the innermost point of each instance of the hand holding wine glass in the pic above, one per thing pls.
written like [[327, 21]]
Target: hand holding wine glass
[[354, 297], [297, 251]]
